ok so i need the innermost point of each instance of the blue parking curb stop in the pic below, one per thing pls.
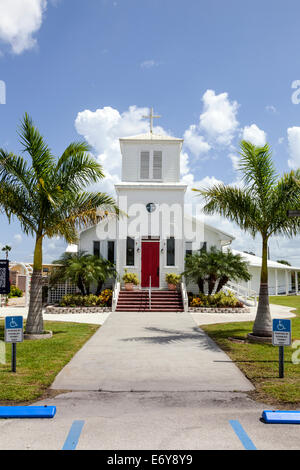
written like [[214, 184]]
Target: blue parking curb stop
[[281, 417], [14, 412]]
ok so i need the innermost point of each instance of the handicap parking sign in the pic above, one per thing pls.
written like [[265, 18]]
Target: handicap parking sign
[[282, 332], [14, 329]]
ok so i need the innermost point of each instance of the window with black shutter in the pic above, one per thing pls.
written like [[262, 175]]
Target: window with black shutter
[[130, 252], [111, 251], [171, 251], [96, 249]]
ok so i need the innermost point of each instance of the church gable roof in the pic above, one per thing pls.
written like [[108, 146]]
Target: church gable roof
[[148, 136]]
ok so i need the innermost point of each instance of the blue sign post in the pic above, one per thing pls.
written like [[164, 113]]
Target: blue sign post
[[14, 335], [282, 336]]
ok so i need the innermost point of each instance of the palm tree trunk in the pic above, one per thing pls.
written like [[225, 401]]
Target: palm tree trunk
[[34, 323], [263, 322], [222, 282], [99, 287], [201, 285]]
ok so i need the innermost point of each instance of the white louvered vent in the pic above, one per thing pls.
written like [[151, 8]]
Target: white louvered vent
[[157, 165], [145, 165]]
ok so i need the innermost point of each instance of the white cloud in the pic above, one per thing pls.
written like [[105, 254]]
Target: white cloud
[[294, 146], [148, 64], [219, 117], [18, 238], [255, 135], [271, 109], [19, 21], [195, 142], [235, 159]]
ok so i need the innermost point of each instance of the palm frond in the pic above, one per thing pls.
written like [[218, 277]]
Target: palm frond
[[235, 204]]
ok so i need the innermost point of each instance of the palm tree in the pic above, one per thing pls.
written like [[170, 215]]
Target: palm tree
[[6, 249], [216, 267], [231, 268], [196, 269], [259, 207], [48, 196], [82, 269]]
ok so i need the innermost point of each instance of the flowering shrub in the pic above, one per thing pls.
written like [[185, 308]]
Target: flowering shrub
[[77, 300], [219, 300], [106, 298]]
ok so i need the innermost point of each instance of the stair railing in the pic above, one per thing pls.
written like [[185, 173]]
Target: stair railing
[[245, 294], [115, 296], [185, 299], [150, 293]]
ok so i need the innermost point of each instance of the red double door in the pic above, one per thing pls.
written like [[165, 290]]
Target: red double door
[[150, 264]]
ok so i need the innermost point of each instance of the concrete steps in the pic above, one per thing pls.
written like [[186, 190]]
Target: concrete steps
[[161, 301]]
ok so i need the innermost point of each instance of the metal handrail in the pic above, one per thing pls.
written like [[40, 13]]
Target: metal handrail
[[150, 288]]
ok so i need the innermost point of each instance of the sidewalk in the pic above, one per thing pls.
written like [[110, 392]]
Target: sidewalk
[[151, 352]]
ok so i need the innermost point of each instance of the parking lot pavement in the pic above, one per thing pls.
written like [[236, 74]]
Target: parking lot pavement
[[154, 420]]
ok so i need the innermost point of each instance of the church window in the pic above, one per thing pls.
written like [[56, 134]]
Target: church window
[[96, 249], [171, 251], [157, 165], [111, 251], [145, 165], [130, 252], [188, 248]]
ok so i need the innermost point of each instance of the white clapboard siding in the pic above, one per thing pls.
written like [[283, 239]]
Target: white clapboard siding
[[145, 165], [157, 165]]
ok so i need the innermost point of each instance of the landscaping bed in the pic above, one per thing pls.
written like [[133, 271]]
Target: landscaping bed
[[39, 362], [57, 310], [222, 302], [219, 310]]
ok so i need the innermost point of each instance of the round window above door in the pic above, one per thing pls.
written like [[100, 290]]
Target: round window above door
[[151, 207]]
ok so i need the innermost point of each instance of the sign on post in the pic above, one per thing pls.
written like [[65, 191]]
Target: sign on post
[[4, 277], [13, 334], [282, 336], [14, 329], [282, 333]]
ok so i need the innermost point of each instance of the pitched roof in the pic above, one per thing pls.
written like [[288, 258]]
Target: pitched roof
[[151, 136], [257, 260]]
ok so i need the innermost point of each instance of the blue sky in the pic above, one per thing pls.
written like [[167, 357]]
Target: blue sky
[[215, 70]]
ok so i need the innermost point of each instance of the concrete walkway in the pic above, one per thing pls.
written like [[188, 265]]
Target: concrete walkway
[[277, 311], [151, 352]]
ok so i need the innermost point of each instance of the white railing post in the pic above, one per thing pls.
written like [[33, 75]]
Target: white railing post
[[150, 293], [115, 297], [185, 299]]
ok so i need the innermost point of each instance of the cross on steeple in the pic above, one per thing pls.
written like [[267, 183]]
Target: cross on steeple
[[151, 117]]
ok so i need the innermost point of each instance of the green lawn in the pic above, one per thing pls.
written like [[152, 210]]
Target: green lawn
[[260, 362], [38, 362]]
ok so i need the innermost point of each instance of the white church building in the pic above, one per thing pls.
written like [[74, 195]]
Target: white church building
[[156, 232]]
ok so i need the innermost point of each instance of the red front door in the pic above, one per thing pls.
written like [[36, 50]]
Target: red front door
[[150, 264]]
